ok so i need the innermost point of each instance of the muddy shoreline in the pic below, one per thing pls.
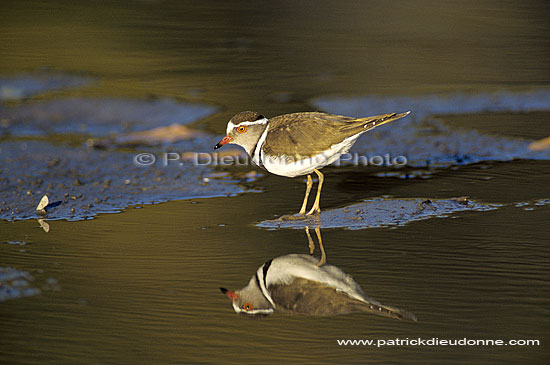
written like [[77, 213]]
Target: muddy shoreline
[[84, 153]]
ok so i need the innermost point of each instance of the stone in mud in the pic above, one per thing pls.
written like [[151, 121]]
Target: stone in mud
[[540, 145], [153, 137]]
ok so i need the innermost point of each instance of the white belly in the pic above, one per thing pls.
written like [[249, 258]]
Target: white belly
[[285, 166]]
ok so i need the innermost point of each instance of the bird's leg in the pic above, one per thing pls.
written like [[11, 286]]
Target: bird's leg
[[316, 209], [309, 184], [310, 241], [323, 258]]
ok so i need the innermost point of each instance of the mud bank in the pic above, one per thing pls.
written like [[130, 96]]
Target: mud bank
[[43, 152], [382, 212], [85, 182]]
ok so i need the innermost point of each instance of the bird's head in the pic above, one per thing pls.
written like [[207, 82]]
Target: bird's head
[[244, 129], [249, 300]]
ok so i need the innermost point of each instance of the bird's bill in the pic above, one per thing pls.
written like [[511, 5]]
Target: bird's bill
[[225, 140], [229, 293]]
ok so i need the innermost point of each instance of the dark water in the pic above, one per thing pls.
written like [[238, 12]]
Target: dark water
[[142, 286]]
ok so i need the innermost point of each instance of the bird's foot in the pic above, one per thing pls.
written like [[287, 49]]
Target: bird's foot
[[314, 211], [310, 242], [322, 261], [293, 217]]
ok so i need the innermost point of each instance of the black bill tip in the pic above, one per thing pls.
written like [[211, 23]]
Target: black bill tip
[[218, 146], [224, 290]]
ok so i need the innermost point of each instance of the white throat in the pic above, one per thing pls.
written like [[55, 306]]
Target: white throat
[[257, 153], [262, 282]]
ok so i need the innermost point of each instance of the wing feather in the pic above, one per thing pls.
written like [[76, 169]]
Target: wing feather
[[313, 298], [303, 135]]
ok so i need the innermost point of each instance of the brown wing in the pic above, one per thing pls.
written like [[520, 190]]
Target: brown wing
[[312, 298], [302, 135]]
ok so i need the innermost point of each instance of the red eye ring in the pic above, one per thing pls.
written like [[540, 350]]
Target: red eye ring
[[248, 306], [241, 129]]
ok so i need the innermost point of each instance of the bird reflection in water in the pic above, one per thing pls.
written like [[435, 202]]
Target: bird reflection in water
[[301, 284]]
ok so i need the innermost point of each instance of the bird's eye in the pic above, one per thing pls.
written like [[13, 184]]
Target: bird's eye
[[247, 306], [241, 129]]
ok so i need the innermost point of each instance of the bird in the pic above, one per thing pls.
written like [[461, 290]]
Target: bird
[[295, 284], [299, 143]]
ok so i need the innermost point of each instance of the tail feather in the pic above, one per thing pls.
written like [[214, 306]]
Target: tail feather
[[378, 120], [389, 311]]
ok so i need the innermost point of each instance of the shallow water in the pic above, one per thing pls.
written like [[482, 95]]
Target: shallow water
[[141, 286], [154, 273]]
